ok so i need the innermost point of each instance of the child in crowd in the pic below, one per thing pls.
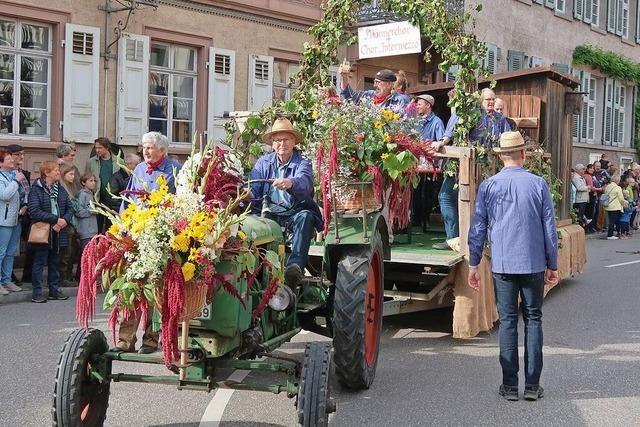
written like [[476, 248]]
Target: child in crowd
[[86, 219], [71, 254], [627, 210]]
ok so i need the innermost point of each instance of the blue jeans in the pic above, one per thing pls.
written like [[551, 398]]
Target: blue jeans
[[51, 259], [530, 287], [448, 198], [9, 240], [300, 225]]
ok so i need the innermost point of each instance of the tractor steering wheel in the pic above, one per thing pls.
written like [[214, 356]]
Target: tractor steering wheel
[[266, 199]]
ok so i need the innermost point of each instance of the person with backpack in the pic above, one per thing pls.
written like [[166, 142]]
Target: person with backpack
[[614, 203]]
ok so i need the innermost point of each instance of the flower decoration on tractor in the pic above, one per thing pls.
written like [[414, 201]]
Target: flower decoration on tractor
[[162, 250]]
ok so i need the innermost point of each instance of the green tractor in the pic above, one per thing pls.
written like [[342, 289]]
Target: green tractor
[[345, 304]]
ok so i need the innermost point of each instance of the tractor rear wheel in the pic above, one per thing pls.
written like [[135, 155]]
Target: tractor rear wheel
[[78, 398], [357, 314], [314, 402]]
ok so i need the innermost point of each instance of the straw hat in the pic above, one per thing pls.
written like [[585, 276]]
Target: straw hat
[[282, 125], [510, 141]]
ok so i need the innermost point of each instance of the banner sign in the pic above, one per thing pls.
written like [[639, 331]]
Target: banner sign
[[396, 38]]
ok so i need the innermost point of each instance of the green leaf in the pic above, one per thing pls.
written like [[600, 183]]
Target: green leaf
[[273, 259], [117, 284], [148, 294], [109, 299], [250, 261], [254, 122]]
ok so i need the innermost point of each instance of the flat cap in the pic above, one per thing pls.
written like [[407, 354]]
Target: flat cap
[[579, 167], [14, 148], [386, 76], [430, 99]]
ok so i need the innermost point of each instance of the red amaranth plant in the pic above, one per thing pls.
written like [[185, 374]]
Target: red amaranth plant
[[269, 292], [220, 186], [172, 305]]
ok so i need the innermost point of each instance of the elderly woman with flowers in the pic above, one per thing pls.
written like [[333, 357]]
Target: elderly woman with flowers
[[156, 171]]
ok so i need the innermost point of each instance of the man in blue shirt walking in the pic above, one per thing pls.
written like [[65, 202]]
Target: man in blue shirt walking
[[515, 211]]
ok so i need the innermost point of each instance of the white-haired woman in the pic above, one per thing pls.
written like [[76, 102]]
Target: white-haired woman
[[145, 177], [155, 147]]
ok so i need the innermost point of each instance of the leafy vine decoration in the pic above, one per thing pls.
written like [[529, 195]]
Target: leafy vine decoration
[[446, 33]]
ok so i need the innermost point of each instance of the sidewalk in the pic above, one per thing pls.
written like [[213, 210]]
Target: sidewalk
[[25, 294]]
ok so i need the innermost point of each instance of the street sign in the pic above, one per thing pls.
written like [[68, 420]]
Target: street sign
[[396, 38]]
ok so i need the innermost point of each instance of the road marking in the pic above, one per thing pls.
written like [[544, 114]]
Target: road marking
[[215, 409], [622, 263]]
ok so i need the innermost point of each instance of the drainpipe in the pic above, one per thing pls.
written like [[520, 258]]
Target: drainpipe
[[604, 113]]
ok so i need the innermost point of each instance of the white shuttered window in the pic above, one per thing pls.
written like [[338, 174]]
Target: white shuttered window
[[222, 66], [133, 88], [260, 91], [81, 78]]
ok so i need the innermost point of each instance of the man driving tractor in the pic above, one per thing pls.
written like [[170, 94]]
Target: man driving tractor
[[285, 185]]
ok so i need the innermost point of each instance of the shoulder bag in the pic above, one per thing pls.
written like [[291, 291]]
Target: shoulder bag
[[39, 232]]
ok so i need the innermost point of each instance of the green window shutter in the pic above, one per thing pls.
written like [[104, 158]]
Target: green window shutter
[[595, 12], [550, 3], [577, 8], [586, 17], [608, 113], [563, 68], [611, 15], [515, 60]]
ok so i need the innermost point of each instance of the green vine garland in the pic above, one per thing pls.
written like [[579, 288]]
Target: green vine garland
[[445, 32]]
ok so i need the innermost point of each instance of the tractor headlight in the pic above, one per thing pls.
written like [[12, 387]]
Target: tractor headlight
[[282, 299]]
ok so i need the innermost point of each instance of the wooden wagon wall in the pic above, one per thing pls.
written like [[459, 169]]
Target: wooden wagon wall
[[555, 122]]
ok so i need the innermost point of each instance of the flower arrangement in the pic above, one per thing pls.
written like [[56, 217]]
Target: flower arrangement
[[163, 248], [366, 143]]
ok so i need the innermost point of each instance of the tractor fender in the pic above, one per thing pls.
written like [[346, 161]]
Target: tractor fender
[[335, 248]]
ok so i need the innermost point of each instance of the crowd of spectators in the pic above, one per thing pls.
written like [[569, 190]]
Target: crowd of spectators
[[60, 197], [605, 200]]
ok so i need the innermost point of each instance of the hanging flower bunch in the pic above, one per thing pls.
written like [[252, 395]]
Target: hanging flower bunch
[[164, 243], [367, 143]]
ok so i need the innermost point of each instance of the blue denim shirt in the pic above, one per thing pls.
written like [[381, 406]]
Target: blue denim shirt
[[432, 128], [299, 170], [451, 124], [489, 128], [514, 208]]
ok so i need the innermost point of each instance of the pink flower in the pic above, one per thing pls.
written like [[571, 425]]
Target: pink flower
[[181, 224]]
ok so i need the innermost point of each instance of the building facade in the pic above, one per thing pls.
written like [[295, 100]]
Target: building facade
[[74, 70], [532, 33]]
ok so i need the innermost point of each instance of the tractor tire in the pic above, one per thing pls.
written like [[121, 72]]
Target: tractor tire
[[314, 402], [79, 400], [357, 314]]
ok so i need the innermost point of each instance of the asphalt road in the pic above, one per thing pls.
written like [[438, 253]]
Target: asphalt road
[[424, 377]]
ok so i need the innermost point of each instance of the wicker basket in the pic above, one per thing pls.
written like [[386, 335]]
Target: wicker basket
[[355, 197], [195, 298]]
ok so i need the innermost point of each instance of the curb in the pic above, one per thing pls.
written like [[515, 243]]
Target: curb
[[25, 295]]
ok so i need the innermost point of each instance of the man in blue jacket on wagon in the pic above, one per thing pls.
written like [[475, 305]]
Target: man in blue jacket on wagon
[[290, 195]]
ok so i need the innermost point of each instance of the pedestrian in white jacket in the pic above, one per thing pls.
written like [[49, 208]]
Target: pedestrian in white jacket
[[582, 193], [11, 193]]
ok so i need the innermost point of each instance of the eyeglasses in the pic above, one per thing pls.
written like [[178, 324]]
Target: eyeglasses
[[489, 99], [281, 139], [21, 154]]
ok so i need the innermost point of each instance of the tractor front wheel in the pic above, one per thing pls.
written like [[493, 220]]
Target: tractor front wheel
[[314, 402], [79, 398], [357, 314]]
